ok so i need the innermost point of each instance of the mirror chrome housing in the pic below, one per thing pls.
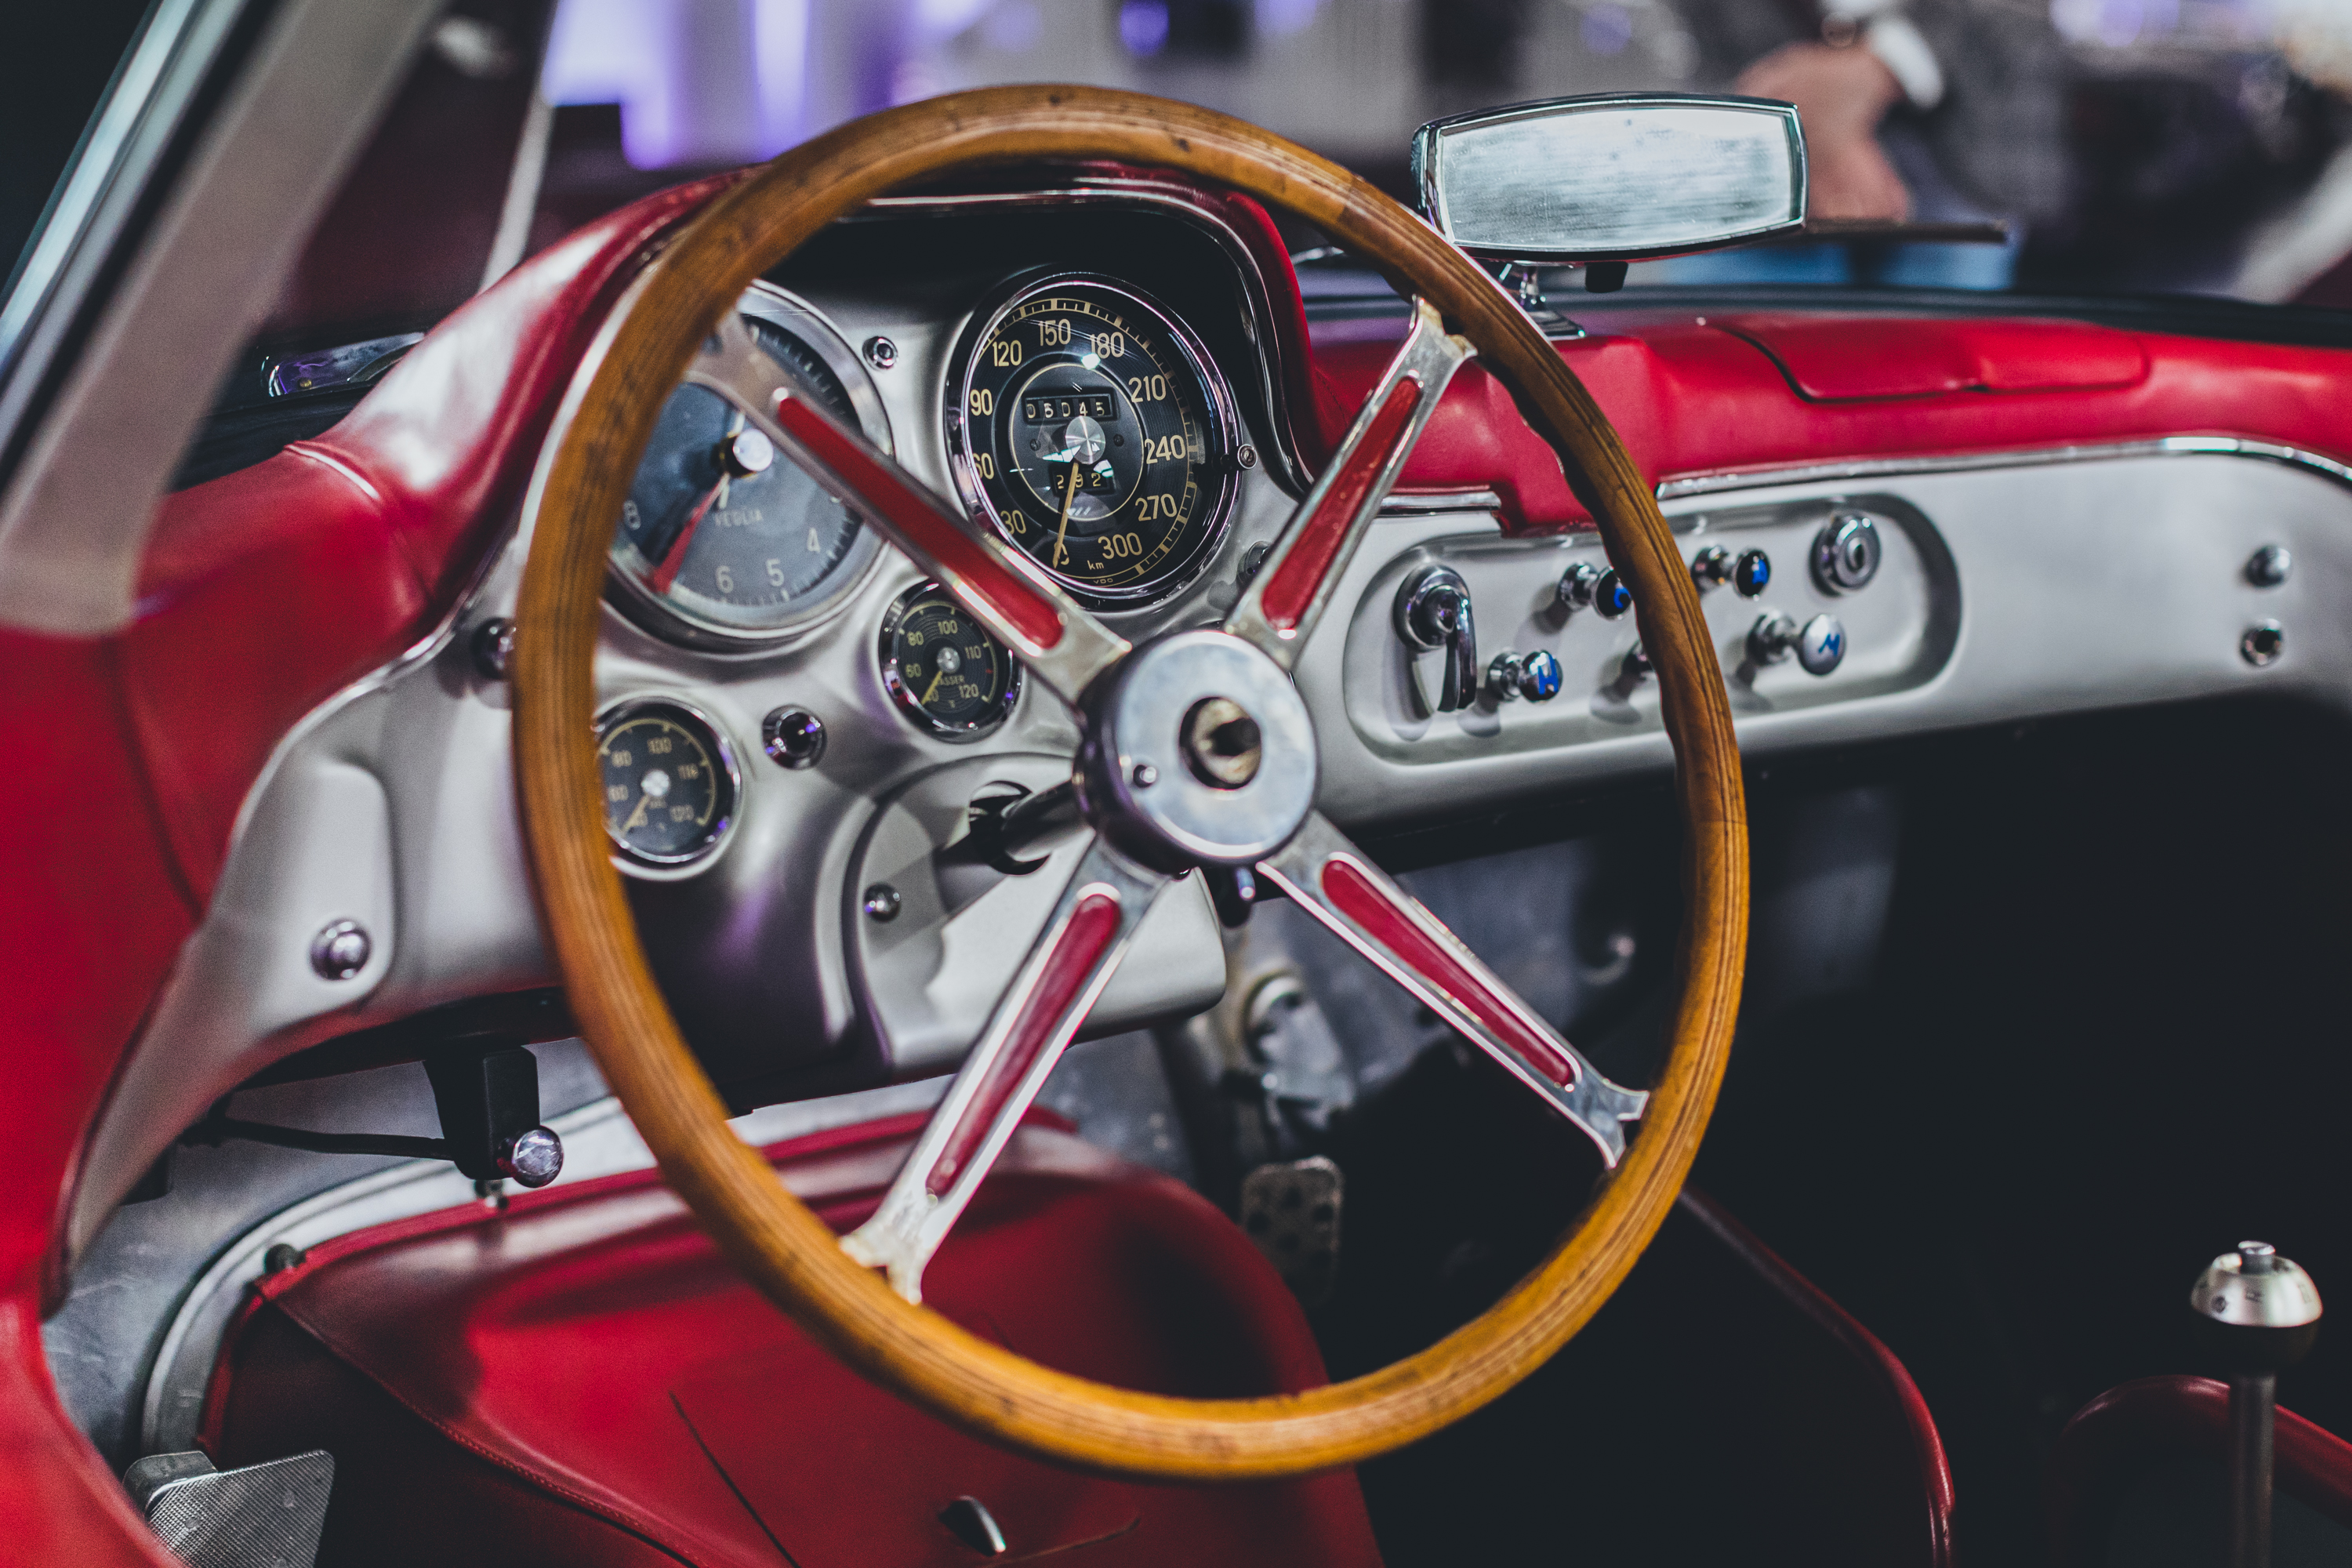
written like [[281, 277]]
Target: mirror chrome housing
[[1613, 176]]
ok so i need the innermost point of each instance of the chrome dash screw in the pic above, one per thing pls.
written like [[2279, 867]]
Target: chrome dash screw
[[881, 352], [494, 642], [882, 903], [2264, 643], [2270, 566], [341, 951]]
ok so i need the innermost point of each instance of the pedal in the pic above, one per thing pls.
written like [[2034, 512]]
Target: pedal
[[259, 1516], [1292, 1212]]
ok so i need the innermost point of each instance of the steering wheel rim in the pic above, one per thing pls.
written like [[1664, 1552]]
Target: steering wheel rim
[[773, 1240]]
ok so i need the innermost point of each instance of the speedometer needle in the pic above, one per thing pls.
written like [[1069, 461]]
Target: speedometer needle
[[1069, 498], [645, 799]]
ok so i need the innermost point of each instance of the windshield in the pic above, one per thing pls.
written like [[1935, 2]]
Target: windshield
[[2042, 146]]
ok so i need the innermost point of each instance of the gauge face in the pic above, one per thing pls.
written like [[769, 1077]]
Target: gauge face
[[1088, 426], [669, 782], [722, 536], [946, 674]]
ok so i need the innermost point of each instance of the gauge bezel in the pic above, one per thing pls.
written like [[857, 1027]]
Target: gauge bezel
[[1220, 462], [671, 868], [672, 622], [903, 697]]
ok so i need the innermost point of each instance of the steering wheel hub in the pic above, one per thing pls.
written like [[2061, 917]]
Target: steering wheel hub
[[1199, 752]]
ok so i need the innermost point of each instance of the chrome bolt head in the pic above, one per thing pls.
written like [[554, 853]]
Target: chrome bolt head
[[793, 738], [1145, 775], [342, 951], [2270, 566], [1246, 456], [2264, 642], [532, 1158], [881, 352], [882, 903]]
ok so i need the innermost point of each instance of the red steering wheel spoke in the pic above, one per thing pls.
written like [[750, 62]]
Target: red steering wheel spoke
[[1035, 1021], [1061, 643], [1339, 886], [1279, 609]]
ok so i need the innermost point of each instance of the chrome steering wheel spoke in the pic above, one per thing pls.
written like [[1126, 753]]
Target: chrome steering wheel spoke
[[1338, 885], [1278, 609], [1035, 1021], [1063, 646]]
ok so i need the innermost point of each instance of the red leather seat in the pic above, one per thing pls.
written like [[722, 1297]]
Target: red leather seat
[[582, 1380]]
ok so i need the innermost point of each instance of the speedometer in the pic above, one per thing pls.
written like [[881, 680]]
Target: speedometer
[[723, 541], [1088, 426]]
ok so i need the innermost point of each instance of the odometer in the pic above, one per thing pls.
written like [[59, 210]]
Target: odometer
[[1088, 426]]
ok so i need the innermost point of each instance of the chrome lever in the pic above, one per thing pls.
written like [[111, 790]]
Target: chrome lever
[[1433, 614]]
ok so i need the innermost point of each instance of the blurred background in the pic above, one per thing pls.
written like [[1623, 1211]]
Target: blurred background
[[2122, 146]]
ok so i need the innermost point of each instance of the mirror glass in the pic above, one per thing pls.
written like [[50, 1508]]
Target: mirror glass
[[1622, 177]]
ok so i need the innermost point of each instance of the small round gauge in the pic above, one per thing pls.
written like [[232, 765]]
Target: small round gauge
[[1088, 426], [670, 782], [946, 674], [723, 540]]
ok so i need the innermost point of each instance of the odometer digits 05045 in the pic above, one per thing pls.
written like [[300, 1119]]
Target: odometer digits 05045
[[1090, 428]]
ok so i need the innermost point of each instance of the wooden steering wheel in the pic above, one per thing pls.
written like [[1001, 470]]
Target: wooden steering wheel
[[1168, 777]]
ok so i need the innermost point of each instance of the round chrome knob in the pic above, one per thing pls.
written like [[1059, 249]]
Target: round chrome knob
[[1576, 585], [532, 1158], [1610, 597], [1751, 573], [1711, 567], [1846, 552], [1820, 645]]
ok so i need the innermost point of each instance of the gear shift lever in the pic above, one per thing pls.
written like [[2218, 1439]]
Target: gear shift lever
[[2261, 1313]]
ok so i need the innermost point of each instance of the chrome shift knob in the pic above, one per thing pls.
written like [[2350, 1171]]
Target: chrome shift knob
[[2263, 1310], [2260, 1314]]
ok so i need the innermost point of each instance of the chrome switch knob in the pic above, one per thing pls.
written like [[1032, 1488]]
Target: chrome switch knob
[[1433, 614], [1533, 675], [1751, 573], [1820, 645], [2259, 1313], [1711, 568], [1846, 554]]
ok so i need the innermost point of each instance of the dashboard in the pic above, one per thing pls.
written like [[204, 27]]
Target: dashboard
[[797, 731]]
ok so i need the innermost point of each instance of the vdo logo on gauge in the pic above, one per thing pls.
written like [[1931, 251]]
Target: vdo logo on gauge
[[1088, 426]]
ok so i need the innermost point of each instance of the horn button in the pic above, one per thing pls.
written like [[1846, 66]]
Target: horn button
[[1199, 751]]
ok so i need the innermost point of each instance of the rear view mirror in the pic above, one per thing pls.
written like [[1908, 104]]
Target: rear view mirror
[[1613, 177]]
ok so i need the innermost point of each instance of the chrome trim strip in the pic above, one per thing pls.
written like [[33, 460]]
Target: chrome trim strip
[[1427, 503], [1967, 462]]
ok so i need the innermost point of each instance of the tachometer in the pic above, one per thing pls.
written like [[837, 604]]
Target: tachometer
[[723, 540], [1090, 427]]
